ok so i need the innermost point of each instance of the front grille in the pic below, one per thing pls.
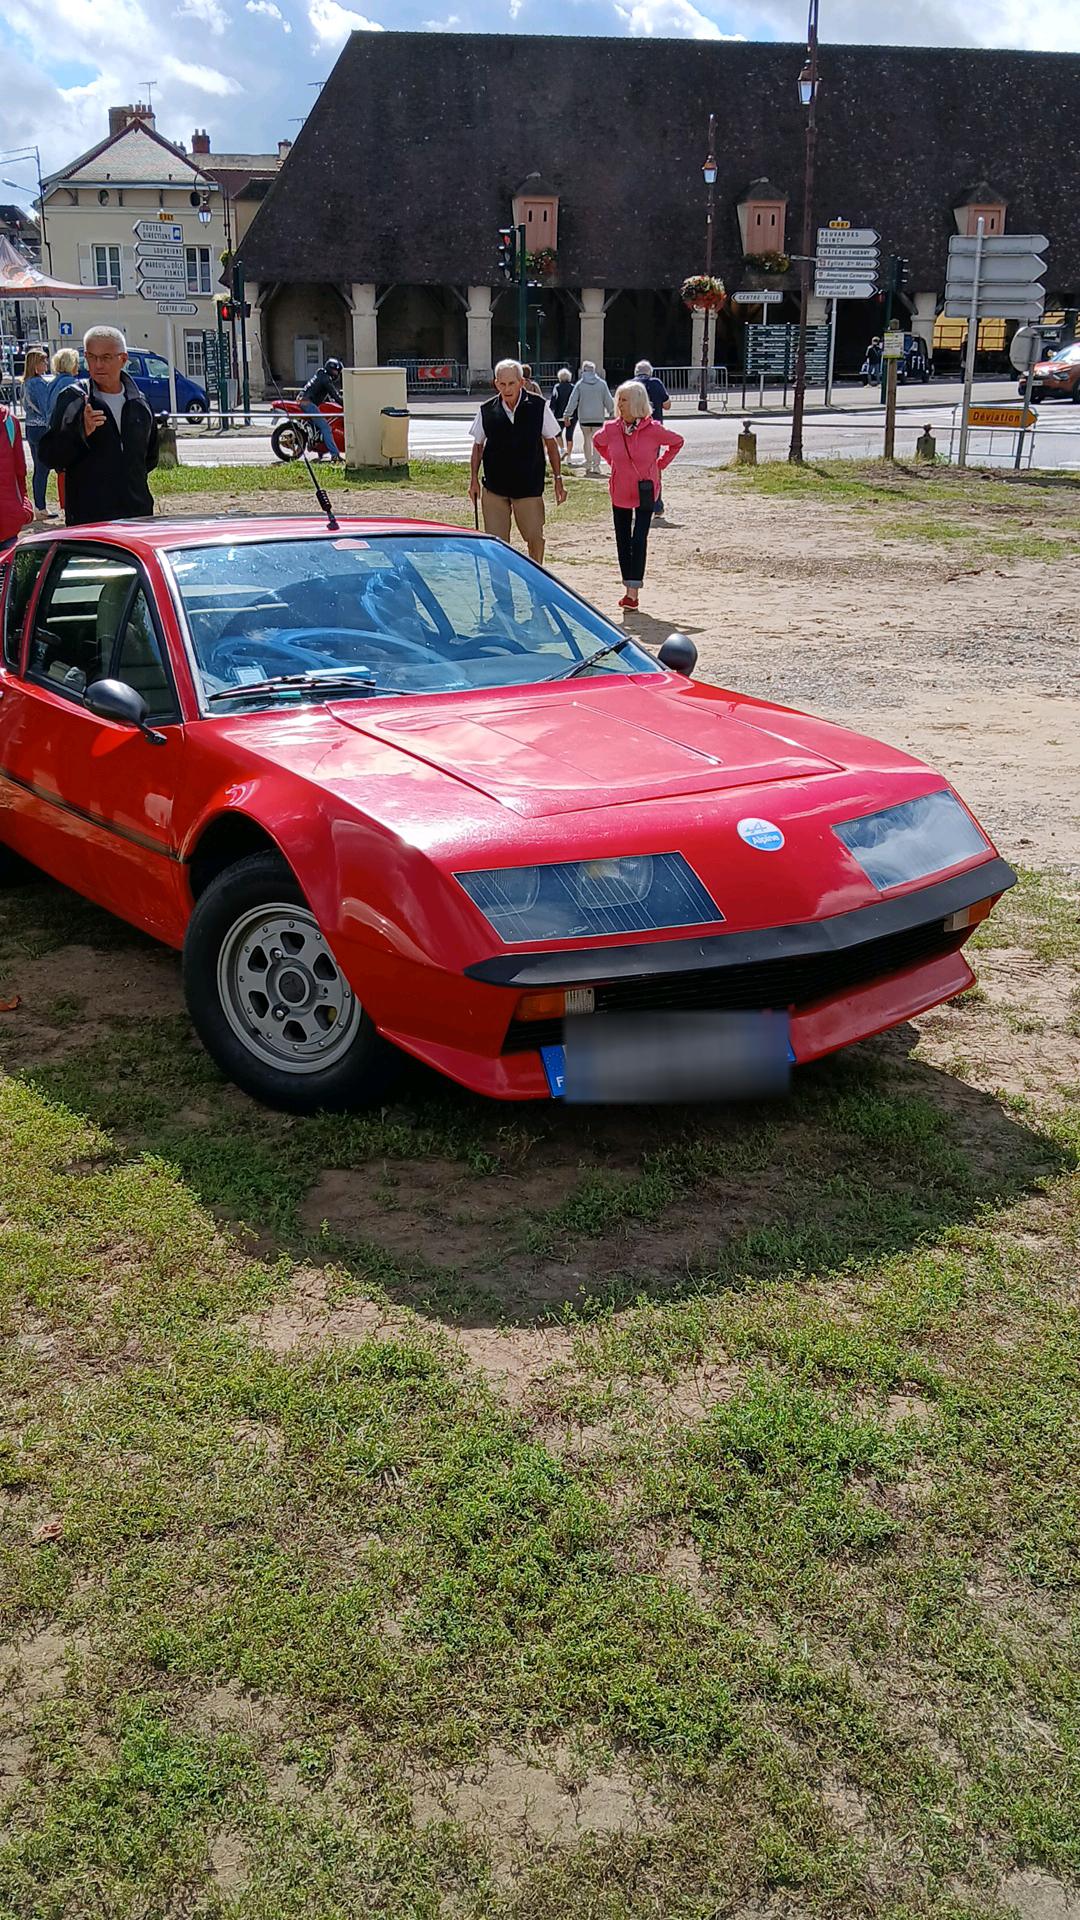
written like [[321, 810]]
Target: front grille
[[789, 983]]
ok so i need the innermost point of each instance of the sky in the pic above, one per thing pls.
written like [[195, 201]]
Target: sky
[[248, 70]]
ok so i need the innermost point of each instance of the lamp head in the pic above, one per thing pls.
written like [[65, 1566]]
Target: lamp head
[[708, 172], [807, 85]]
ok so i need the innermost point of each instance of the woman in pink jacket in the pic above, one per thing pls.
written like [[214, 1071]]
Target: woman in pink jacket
[[15, 508], [637, 448]]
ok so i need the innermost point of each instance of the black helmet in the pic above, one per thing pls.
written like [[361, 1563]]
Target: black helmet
[[333, 366]]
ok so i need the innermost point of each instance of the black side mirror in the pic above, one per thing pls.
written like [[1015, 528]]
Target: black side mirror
[[678, 654], [115, 700]]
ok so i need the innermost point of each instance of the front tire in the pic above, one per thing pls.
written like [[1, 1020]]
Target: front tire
[[196, 413], [268, 999], [288, 440]]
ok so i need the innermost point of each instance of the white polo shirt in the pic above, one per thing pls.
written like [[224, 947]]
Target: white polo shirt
[[549, 430]]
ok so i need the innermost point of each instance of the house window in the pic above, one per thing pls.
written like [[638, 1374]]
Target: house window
[[107, 267], [193, 356], [198, 270]]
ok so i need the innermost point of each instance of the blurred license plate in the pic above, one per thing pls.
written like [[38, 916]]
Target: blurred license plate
[[614, 1057]]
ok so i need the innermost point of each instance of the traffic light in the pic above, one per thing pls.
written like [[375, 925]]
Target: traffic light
[[898, 269], [507, 262], [226, 311]]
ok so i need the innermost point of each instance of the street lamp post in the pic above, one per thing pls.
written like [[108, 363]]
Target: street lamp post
[[708, 173], [808, 91]]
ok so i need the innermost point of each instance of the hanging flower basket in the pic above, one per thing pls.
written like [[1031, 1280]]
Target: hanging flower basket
[[541, 263], [774, 263], [703, 293]]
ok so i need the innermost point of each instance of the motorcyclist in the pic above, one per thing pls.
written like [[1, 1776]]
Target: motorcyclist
[[323, 385]]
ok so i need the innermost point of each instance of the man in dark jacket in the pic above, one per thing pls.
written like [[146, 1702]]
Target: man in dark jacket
[[106, 443], [324, 385]]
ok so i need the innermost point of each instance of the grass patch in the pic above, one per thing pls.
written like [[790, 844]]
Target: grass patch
[[259, 489], [768, 1586]]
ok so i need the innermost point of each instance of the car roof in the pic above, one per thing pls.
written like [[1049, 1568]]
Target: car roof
[[163, 534]]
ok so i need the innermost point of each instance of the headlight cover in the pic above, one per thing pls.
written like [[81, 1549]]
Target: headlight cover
[[913, 840], [574, 899]]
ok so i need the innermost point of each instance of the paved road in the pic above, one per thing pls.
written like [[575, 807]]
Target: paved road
[[853, 427]]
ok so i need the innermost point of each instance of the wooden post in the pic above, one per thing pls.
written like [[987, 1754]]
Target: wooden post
[[890, 410]]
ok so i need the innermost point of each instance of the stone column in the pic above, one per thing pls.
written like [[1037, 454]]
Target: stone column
[[817, 311], [924, 316], [592, 325], [478, 330], [255, 352], [365, 324]]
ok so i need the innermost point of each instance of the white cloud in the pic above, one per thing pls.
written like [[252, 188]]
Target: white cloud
[[209, 13], [442, 26], [272, 13], [515, 8], [203, 79], [333, 23], [670, 19]]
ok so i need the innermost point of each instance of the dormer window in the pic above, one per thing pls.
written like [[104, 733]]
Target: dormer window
[[763, 218], [981, 202], [536, 208]]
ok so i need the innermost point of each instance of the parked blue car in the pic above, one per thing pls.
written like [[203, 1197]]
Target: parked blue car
[[151, 375]]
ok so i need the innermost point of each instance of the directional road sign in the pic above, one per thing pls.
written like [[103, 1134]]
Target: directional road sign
[[1010, 286], [830, 289], [177, 306], [865, 260], [1014, 417], [158, 250], [159, 289], [768, 297], [158, 230], [161, 269], [847, 236]]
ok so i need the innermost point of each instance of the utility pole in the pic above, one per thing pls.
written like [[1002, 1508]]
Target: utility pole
[[972, 343], [523, 296], [808, 87], [709, 176]]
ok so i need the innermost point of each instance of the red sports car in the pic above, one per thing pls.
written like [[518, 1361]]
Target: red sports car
[[391, 786]]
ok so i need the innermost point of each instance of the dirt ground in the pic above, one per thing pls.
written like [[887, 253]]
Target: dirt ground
[[971, 662]]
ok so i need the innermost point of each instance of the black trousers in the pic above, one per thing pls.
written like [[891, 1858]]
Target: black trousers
[[631, 540]]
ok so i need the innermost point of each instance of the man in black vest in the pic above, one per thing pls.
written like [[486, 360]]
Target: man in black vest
[[106, 443], [510, 436]]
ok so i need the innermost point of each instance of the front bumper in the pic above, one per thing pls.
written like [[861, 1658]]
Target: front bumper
[[840, 979]]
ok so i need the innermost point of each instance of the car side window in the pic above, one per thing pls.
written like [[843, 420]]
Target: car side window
[[156, 367], [137, 660], [25, 568], [78, 619]]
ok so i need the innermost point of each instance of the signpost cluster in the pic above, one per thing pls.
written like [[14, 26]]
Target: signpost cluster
[[996, 276], [161, 274], [771, 354], [846, 265]]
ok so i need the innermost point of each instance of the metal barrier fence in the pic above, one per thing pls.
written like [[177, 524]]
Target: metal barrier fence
[[687, 380], [433, 376]]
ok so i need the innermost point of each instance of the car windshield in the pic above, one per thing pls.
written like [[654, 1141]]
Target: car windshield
[[390, 613], [1071, 352]]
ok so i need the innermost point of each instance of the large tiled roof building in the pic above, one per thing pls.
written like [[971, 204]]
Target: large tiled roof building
[[379, 240]]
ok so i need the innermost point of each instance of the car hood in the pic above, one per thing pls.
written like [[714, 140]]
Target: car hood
[[569, 751]]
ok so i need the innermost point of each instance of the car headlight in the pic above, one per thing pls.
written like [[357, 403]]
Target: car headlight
[[571, 899], [913, 840]]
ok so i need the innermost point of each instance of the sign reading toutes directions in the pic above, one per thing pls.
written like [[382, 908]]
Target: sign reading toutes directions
[[846, 261], [151, 230]]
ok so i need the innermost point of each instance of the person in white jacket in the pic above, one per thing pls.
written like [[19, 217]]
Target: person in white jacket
[[592, 404]]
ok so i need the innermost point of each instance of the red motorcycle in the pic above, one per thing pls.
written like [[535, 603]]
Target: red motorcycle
[[298, 433]]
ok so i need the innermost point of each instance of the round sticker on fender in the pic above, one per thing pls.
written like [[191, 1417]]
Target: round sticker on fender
[[761, 834]]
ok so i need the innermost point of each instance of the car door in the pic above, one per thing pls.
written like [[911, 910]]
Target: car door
[[97, 800], [156, 385]]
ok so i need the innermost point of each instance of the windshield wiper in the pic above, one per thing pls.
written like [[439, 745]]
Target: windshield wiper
[[356, 679], [581, 666]]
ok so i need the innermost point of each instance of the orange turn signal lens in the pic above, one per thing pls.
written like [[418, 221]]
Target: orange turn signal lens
[[553, 1005], [969, 916]]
